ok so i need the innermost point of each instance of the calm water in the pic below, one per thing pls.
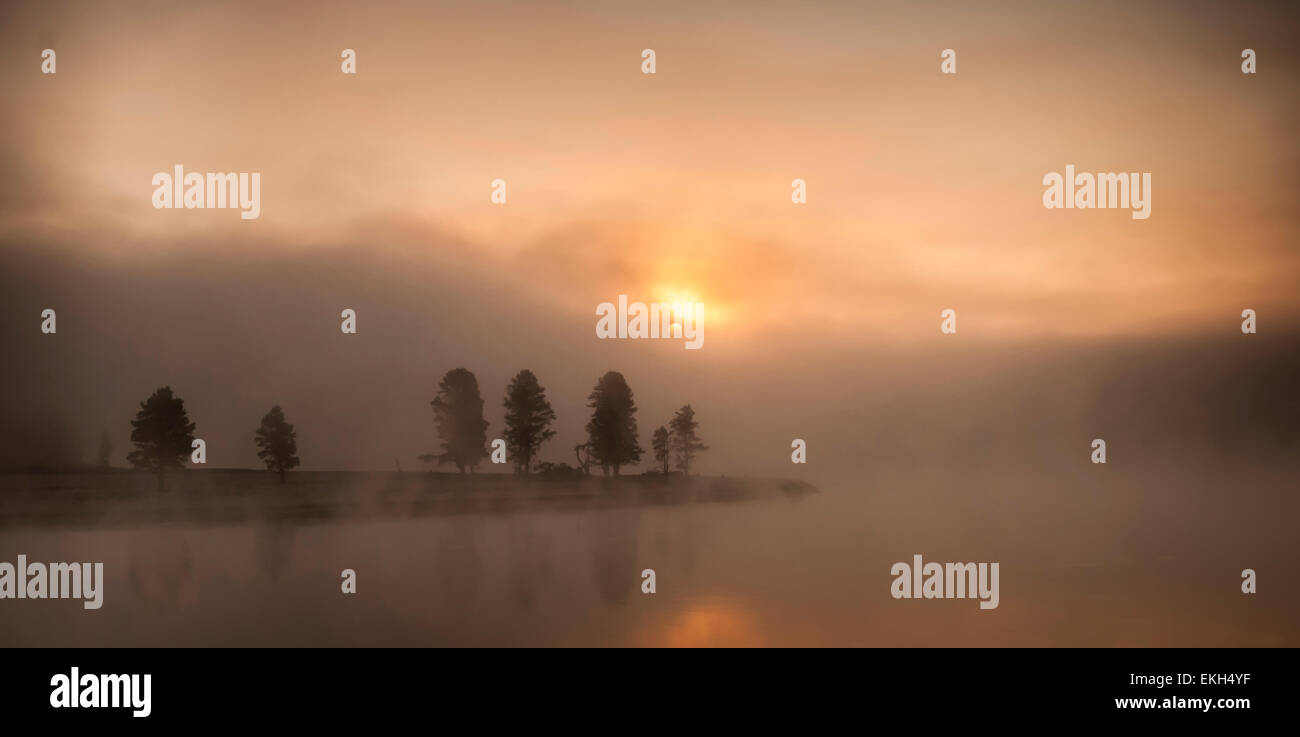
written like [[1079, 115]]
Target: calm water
[[1138, 562]]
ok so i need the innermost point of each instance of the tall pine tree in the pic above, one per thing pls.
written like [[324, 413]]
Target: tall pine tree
[[612, 429], [528, 419], [686, 443], [162, 434], [277, 443], [662, 447], [458, 415]]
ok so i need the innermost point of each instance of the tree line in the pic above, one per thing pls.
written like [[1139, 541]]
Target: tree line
[[163, 434]]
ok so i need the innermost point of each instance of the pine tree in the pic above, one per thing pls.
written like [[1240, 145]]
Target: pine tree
[[162, 434], [612, 428], [458, 415], [685, 442], [662, 446], [277, 443], [528, 419]]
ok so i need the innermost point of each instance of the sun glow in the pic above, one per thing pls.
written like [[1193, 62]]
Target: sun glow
[[712, 624], [714, 312]]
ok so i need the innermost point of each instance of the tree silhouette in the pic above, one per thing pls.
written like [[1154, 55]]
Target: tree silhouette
[[662, 447], [583, 453], [612, 428], [277, 442], [458, 415], [162, 434], [685, 442], [528, 419]]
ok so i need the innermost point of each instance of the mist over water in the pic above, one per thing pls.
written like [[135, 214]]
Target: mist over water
[[1092, 557], [965, 450], [822, 319]]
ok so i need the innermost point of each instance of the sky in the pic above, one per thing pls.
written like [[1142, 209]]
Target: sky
[[924, 193]]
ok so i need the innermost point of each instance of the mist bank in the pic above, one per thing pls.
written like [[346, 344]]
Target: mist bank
[[218, 497], [234, 338]]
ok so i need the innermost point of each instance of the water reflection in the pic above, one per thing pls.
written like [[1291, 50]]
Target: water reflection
[[770, 572], [614, 560], [531, 567], [274, 549], [160, 568], [711, 624], [457, 565]]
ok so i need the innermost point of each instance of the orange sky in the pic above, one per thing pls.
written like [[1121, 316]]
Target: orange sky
[[924, 190]]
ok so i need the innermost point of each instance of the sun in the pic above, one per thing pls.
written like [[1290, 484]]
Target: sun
[[687, 295]]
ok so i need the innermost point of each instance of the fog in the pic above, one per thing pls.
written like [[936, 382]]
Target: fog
[[232, 340], [822, 319]]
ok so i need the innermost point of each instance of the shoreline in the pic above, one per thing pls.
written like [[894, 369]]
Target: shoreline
[[117, 499]]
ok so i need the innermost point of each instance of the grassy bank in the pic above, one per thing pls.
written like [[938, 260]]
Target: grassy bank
[[229, 496]]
